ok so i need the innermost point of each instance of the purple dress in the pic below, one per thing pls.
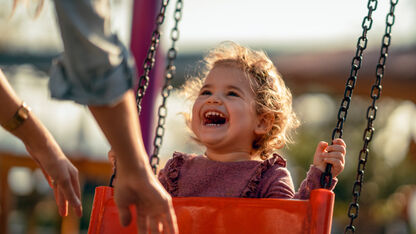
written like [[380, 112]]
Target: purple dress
[[187, 175]]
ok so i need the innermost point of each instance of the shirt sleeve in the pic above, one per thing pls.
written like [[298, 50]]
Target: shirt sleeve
[[95, 68], [279, 184], [311, 182]]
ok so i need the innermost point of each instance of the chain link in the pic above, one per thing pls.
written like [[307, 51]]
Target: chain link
[[169, 73], [326, 177], [149, 62], [371, 116]]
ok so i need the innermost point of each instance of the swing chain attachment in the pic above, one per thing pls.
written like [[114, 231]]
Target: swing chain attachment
[[326, 177], [371, 116], [149, 62], [169, 73]]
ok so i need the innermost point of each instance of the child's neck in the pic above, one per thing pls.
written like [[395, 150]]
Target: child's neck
[[231, 156]]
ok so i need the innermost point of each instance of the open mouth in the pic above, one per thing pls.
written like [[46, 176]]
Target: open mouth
[[214, 118]]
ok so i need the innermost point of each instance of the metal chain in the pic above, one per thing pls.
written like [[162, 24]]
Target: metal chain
[[371, 116], [148, 65], [169, 73], [149, 62], [326, 177]]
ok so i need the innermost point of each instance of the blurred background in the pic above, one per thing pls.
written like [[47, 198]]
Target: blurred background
[[312, 44]]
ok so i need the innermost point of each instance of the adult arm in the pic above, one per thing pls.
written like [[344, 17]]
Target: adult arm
[[97, 70], [43, 148], [136, 183]]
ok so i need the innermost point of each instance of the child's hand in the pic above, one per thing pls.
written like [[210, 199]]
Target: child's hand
[[330, 154]]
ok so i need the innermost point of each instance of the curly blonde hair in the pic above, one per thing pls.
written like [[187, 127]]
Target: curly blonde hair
[[270, 92]]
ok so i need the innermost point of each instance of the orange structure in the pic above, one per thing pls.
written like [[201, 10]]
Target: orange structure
[[89, 169], [214, 215]]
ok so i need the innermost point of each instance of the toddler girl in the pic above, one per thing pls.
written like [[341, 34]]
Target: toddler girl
[[242, 114]]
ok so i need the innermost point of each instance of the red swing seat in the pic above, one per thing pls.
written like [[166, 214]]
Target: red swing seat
[[213, 215]]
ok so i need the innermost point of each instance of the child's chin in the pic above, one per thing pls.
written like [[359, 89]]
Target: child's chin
[[211, 140]]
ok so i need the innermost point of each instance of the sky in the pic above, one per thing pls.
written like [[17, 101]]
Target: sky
[[300, 23], [286, 25]]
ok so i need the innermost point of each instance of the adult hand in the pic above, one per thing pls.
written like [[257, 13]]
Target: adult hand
[[330, 154], [153, 204], [62, 176]]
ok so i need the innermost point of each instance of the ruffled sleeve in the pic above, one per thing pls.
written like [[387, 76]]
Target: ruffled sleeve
[[169, 175], [311, 182]]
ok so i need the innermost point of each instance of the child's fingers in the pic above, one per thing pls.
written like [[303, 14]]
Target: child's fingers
[[336, 148], [334, 155], [339, 141], [336, 164]]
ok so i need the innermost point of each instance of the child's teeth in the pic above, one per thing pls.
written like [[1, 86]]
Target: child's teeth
[[214, 113]]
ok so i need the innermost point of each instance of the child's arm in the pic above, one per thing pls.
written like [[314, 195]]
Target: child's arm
[[279, 182], [332, 154]]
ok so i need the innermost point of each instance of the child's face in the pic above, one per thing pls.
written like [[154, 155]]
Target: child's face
[[223, 115]]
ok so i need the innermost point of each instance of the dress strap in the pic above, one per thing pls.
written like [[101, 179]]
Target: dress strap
[[250, 191]]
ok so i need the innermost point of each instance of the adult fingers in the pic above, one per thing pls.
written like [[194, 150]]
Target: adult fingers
[[68, 190], [169, 222], [155, 225], [76, 186], [61, 201], [141, 223]]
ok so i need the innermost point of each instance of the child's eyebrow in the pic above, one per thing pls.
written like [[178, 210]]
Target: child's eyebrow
[[206, 86], [236, 88]]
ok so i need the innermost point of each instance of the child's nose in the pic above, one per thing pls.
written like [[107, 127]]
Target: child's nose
[[214, 99]]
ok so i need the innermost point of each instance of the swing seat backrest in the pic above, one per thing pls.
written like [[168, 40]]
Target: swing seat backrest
[[209, 215]]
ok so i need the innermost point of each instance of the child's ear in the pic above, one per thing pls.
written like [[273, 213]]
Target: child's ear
[[264, 123]]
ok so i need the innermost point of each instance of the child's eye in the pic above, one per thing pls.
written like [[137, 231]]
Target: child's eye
[[232, 93], [206, 92]]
